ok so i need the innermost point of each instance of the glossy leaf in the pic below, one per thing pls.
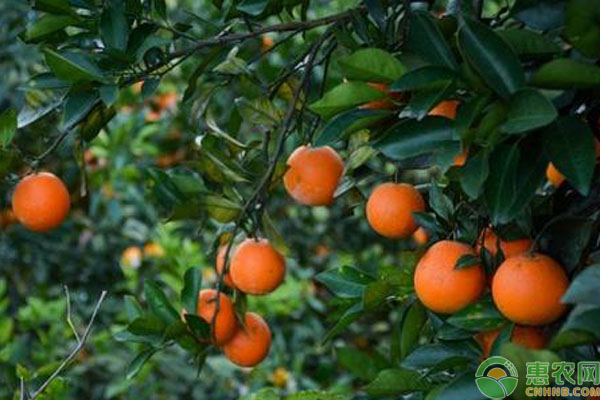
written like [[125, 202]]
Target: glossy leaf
[[529, 44], [132, 308], [345, 282], [394, 382], [158, 302], [343, 97], [372, 65], [114, 28], [462, 387], [582, 27], [412, 323], [192, 283], [479, 316], [345, 123], [439, 356], [566, 238], [492, 57], [72, 67], [77, 105], [424, 78], [564, 73], [584, 288], [426, 39], [474, 173], [569, 143], [8, 126], [501, 183], [252, 7], [47, 25], [138, 362], [528, 110]]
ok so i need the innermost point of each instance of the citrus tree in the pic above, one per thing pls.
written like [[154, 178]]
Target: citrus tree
[[431, 165]]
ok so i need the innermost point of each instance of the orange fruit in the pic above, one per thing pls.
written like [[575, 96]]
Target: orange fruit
[[527, 289], [527, 336], [153, 249], [250, 344], [131, 257], [41, 202], [446, 108], [390, 209], [420, 237], [313, 175], [221, 252], [510, 248], [256, 267], [381, 104], [225, 322], [385, 103], [280, 377], [461, 159], [440, 286], [266, 43]]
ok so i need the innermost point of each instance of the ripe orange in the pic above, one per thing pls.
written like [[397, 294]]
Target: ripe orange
[[420, 237], [440, 286], [225, 322], [266, 43], [153, 249], [527, 289], [221, 264], [256, 267], [131, 257], [390, 209], [510, 248], [250, 344], [280, 377], [41, 202], [446, 108], [461, 159], [527, 336], [313, 175]]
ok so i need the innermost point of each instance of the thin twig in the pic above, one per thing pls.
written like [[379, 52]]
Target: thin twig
[[74, 352]]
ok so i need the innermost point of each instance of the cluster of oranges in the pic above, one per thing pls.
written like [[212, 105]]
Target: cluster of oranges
[[256, 268]]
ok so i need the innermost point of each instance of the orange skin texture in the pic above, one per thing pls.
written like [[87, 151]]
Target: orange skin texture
[[221, 264], [132, 257], [250, 344], [153, 249], [527, 289], [527, 336], [225, 323], [313, 175], [420, 237], [390, 207], [446, 108], [41, 202], [509, 248], [440, 286], [256, 267]]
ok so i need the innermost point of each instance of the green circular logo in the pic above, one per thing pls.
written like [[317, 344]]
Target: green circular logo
[[496, 378]]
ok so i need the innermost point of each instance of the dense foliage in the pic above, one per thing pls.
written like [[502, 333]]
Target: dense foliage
[[170, 121]]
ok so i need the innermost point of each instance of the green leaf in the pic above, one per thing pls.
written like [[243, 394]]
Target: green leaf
[[530, 175], [345, 282], [529, 44], [352, 314], [343, 97], [372, 65], [359, 363], [462, 387], [582, 327], [253, 7], [72, 67], [53, 6], [47, 25], [584, 288], [474, 173], [569, 143], [424, 78], [566, 238], [412, 323], [426, 39], [411, 138], [220, 208], [440, 203], [132, 308], [422, 101], [492, 57], [8, 126], [435, 357], [346, 123], [395, 382], [149, 326], [138, 362], [199, 327], [583, 26], [480, 316], [160, 8], [500, 185], [466, 261], [528, 110], [149, 87], [564, 73], [540, 14], [77, 105], [114, 28], [192, 283], [158, 302]]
